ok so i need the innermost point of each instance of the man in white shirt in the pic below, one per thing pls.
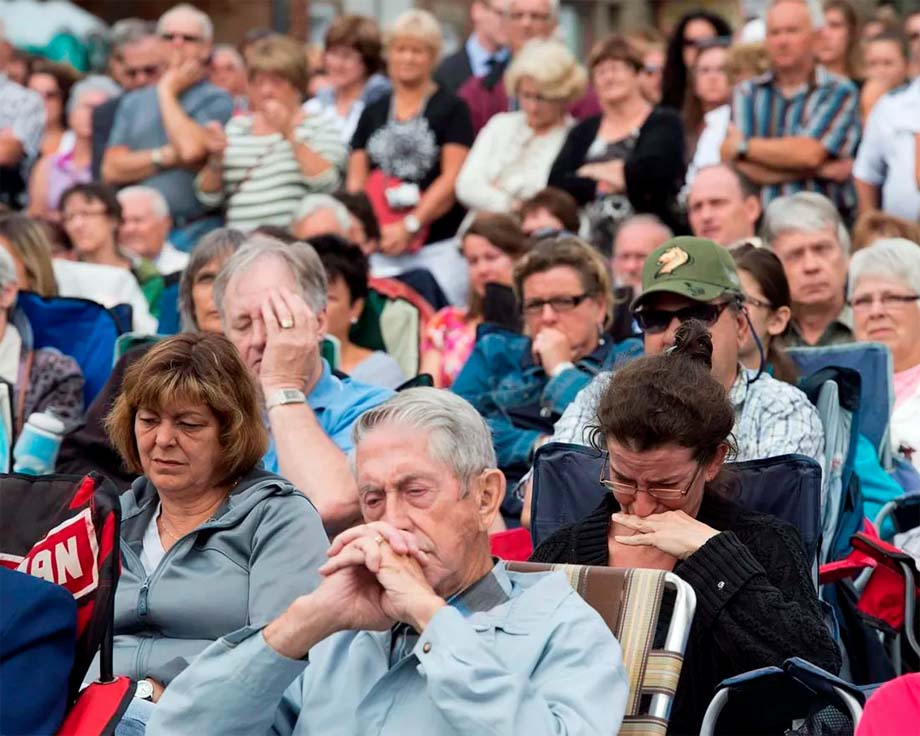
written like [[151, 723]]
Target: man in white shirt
[[885, 171], [145, 226]]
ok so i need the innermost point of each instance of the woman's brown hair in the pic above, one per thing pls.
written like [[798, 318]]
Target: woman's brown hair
[[360, 33], [615, 48], [853, 58], [873, 225], [503, 232], [195, 368], [280, 55], [669, 398], [767, 270]]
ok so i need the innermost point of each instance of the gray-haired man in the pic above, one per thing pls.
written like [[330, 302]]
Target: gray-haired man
[[415, 629], [272, 301]]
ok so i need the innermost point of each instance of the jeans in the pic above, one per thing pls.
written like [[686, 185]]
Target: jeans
[[134, 721]]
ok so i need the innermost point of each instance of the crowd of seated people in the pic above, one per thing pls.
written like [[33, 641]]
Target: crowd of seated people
[[362, 291]]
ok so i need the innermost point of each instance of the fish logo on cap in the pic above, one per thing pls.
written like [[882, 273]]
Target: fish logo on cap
[[672, 259]]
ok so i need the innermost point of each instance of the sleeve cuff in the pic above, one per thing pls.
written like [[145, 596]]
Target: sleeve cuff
[[447, 638], [717, 571]]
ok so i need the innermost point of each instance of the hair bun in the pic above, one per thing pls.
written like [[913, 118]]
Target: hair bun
[[693, 342]]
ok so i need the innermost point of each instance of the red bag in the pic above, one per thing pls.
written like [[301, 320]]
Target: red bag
[[375, 188]]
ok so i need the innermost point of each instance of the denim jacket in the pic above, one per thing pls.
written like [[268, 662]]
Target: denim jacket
[[501, 378]]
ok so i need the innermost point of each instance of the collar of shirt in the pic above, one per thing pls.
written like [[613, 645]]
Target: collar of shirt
[[839, 330], [479, 57], [327, 390], [820, 77]]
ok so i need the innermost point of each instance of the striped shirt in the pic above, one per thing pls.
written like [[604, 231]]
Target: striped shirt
[[826, 109], [262, 182]]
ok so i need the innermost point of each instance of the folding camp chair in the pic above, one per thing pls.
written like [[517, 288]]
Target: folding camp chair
[[80, 328], [873, 362], [798, 690], [66, 529], [566, 488], [629, 601]]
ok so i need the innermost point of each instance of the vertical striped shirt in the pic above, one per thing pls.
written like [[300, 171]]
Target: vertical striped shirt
[[262, 182], [826, 109]]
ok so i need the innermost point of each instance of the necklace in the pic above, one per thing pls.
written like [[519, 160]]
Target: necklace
[[168, 530]]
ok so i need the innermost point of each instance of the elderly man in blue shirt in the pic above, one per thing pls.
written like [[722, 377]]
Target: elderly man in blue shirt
[[272, 300], [415, 629]]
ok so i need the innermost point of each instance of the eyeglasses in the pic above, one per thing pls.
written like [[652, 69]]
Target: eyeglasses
[[630, 490], [888, 301], [519, 15], [150, 70], [535, 97], [651, 68], [71, 216], [186, 37], [558, 303], [754, 301], [656, 321], [48, 94]]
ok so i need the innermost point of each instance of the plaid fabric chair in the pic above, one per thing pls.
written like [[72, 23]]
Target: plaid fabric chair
[[629, 600]]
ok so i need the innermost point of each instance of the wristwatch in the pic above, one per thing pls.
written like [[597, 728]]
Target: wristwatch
[[156, 157], [144, 690], [741, 150], [285, 396], [412, 224]]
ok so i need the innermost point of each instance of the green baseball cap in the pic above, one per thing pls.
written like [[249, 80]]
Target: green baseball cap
[[696, 268]]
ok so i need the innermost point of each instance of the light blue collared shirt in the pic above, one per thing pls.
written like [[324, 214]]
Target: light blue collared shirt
[[479, 57], [337, 403], [541, 663]]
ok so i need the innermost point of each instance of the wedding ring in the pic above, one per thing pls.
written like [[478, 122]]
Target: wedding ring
[[287, 323], [379, 539]]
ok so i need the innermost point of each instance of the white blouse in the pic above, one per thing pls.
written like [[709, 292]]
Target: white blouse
[[508, 162]]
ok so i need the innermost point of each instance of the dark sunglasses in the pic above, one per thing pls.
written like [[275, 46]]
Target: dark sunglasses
[[656, 321], [188, 38], [150, 70]]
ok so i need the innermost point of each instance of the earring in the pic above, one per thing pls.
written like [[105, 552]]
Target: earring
[[601, 340], [354, 320]]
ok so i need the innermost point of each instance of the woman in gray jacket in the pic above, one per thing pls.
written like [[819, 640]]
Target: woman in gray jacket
[[210, 543]]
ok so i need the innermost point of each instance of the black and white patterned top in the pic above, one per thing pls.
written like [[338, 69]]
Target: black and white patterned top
[[22, 113]]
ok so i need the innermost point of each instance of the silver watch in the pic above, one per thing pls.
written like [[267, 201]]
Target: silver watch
[[412, 224], [144, 690], [285, 396]]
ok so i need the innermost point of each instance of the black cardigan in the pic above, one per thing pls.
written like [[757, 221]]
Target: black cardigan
[[654, 172], [756, 603]]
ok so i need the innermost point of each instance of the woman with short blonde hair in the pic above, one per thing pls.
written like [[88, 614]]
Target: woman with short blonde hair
[[410, 144], [262, 164], [513, 153]]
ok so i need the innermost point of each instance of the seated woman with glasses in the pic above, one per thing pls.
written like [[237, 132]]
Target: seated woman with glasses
[[665, 422], [522, 383], [885, 298]]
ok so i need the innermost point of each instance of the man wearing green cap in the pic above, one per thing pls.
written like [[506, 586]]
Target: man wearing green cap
[[694, 278]]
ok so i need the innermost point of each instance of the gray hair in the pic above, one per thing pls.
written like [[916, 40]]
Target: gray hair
[[129, 30], [300, 257], [313, 203], [158, 202], [897, 259], [645, 219], [7, 268], [553, 7], [92, 83], [230, 50], [459, 438], [207, 27], [217, 244], [803, 212]]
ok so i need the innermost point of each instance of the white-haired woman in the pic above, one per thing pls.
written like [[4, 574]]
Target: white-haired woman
[[885, 296], [409, 145], [58, 171], [512, 155]]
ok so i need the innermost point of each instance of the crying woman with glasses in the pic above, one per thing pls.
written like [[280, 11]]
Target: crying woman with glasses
[[666, 423]]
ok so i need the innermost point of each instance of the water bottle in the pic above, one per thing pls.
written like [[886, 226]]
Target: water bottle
[[36, 449]]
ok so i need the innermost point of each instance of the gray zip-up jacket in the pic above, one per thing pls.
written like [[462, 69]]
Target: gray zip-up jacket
[[242, 568]]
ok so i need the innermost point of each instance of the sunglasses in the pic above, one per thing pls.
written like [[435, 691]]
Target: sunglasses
[[188, 38], [150, 70], [656, 321]]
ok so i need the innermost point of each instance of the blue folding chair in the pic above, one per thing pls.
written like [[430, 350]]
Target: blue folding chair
[[566, 488], [167, 307], [874, 364], [80, 328]]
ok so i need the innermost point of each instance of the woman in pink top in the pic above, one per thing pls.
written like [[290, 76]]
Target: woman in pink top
[[885, 297], [57, 171], [491, 246]]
